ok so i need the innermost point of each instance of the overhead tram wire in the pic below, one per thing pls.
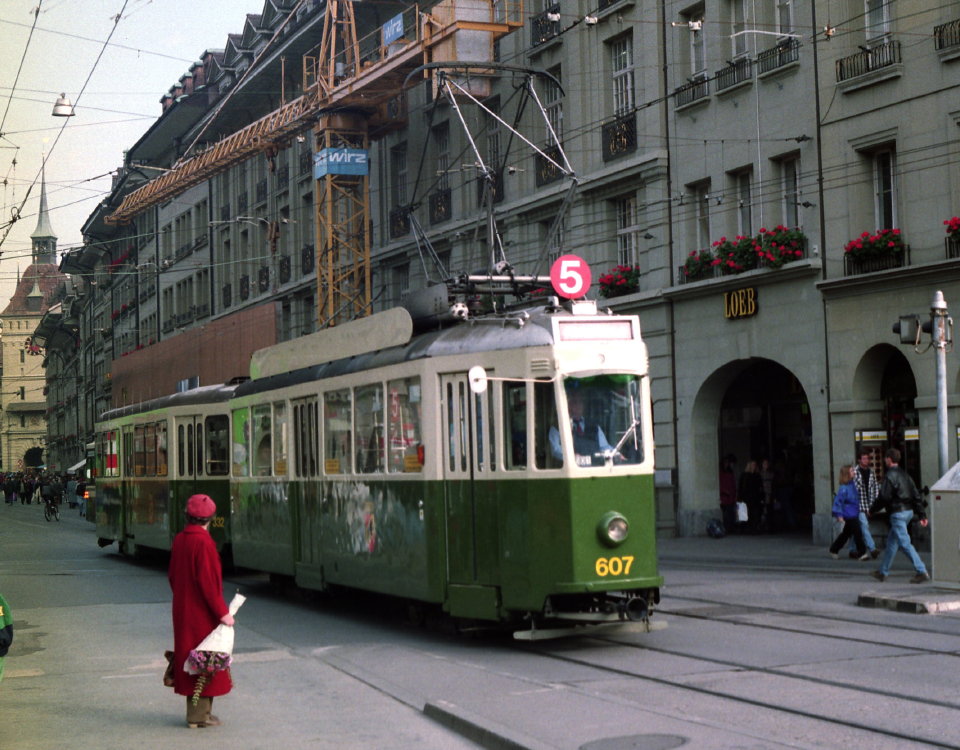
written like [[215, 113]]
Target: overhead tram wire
[[23, 57], [103, 48]]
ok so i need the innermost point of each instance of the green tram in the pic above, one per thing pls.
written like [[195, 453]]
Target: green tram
[[500, 468]]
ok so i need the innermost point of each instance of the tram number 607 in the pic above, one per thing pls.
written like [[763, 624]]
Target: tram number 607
[[614, 566]]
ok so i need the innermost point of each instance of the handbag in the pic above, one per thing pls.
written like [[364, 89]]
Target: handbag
[[742, 515], [168, 672]]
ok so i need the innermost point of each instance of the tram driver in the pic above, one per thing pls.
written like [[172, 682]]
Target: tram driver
[[590, 443]]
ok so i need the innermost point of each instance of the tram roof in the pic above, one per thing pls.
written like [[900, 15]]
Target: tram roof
[[205, 394], [517, 330]]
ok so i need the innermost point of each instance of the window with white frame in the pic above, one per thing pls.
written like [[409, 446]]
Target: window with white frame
[[744, 202], [877, 19], [398, 175], [621, 66], [885, 193], [400, 281], [698, 44], [553, 106], [628, 233], [784, 16], [441, 150], [738, 24], [701, 213], [790, 190]]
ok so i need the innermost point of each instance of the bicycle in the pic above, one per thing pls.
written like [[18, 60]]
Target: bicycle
[[50, 510]]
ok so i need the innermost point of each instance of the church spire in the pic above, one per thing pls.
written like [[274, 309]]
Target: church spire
[[44, 240]]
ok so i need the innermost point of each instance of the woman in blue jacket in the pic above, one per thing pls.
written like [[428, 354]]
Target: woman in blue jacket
[[846, 507]]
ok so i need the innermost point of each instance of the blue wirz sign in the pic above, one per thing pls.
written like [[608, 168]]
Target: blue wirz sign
[[393, 29], [351, 161]]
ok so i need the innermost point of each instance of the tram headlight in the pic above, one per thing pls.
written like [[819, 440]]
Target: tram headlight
[[613, 529]]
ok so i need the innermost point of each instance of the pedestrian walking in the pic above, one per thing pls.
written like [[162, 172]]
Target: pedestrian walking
[[846, 508], [196, 579], [899, 497], [867, 488]]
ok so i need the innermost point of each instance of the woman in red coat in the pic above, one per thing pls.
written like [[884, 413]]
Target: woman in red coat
[[198, 607]]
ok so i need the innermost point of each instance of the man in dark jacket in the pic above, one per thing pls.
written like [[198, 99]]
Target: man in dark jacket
[[900, 498]]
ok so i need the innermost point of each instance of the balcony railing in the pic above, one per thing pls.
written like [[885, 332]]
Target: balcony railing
[[440, 205], [244, 288], [304, 162], [284, 271], [283, 177], [227, 295], [698, 88], [260, 190], [619, 137], [952, 246], [307, 260], [542, 29], [736, 72], [874, 58], [547, 171], [784, 53], [854, 266], [946, 35], [496, 185], [399, 223], [263, 278]]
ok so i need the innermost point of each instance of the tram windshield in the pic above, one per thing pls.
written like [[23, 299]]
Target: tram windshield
[[604, 424]]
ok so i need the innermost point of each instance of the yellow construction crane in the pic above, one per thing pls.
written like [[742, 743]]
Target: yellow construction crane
[[350, 83]]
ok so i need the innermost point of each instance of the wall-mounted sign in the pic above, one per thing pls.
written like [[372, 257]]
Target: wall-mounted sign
[[393, 29], [351, 161], [740, 303]]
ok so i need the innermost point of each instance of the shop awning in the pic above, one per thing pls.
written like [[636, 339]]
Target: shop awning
[[76, 466]]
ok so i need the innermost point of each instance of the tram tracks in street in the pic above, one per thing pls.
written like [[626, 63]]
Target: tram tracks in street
[[842, 703]]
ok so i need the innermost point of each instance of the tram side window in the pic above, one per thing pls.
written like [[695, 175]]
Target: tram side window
[[336, 432], [545, 426], [217, 445], [241, 442], [515, 425], [368, 428], [108, 464], [404, 436], [139, 449], [126, 450], [198, 437], [150, 450], [280, 439], [305, 437], [262, 440], [161, 449]]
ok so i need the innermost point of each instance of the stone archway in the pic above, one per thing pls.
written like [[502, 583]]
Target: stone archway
[[33, 458], [754, 408]]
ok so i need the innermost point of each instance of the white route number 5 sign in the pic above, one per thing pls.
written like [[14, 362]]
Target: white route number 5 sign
[[570, 276]]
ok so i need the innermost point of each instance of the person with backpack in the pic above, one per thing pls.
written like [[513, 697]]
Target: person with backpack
[[900, 499]]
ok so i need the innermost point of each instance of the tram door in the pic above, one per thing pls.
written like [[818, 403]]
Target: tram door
[[468, 459], [189, 459]]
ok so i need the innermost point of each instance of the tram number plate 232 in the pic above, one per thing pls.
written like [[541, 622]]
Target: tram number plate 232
[[614, 566]]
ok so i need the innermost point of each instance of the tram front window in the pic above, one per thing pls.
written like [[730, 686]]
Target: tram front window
[[604, 424]]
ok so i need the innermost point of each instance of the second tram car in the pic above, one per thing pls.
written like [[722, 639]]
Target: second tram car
[[500, 468]]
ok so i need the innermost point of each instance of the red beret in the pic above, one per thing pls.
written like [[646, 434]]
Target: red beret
[[201, 506]]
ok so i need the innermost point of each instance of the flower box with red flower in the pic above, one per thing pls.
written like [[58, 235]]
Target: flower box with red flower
[[952, 240], [781, 245], [877, 251], [621, 280], [736, 255], [698, 265]]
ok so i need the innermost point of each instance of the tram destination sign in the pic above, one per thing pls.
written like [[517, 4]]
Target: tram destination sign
[[740, 303]]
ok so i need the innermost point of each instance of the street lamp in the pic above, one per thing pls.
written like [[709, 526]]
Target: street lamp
[[63, 107], [940, 328]]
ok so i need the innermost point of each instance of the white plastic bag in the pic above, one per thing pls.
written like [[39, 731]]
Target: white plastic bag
[[220, 639], [742, 515]]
